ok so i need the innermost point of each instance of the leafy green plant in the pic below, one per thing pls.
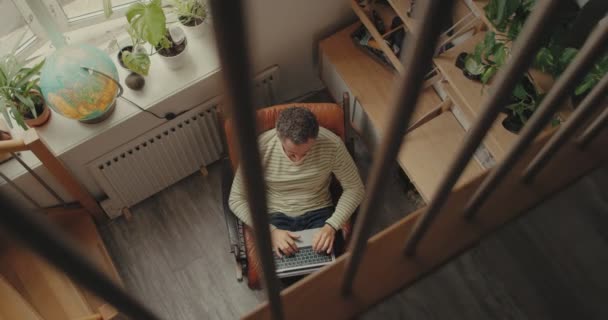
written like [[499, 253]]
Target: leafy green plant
[[136, 60], [190, 12], [487, 58], [148, 22], [593, 77], [18, 86], [508, 16]]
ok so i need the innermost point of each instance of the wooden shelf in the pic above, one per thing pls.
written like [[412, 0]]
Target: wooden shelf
[[469, 96], [430, 148], [401, 7], [367, 22]]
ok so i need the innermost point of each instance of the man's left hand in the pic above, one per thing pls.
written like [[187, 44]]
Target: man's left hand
[[323, 240]]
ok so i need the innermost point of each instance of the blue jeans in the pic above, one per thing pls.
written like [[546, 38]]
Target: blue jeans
[[309, 220]]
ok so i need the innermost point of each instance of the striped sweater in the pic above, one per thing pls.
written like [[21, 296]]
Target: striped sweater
[[296, 189]]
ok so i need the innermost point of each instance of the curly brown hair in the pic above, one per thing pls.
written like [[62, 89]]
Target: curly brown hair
[[298, 124]]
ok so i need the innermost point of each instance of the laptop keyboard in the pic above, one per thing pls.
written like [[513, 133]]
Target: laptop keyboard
[[306, 256]]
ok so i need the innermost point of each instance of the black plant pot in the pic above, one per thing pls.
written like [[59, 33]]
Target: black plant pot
[[119, 55], [512, 123], [460, 60], [461, 63]]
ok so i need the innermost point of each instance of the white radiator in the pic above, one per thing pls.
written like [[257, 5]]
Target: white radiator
[[168, 153], [158, 159]]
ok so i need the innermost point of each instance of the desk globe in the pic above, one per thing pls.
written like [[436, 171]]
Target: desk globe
[[80, 82]]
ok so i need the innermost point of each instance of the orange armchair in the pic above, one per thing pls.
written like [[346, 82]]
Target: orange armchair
[[330, 116]]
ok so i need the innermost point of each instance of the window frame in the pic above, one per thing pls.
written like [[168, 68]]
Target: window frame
[[67, 24], [31, 21]]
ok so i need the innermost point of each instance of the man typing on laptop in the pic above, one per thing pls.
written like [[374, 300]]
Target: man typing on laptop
[[298, 159]]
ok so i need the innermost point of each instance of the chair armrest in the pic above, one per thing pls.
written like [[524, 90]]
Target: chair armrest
[[232, 222]]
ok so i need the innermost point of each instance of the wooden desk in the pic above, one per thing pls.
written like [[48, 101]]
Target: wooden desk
[[429, 149]]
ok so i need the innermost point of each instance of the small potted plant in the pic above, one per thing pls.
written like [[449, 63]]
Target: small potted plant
[[148, 22], [192, 14], [134, 58], [20, 96]]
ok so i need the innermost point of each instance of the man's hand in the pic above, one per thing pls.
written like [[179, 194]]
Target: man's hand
[[323, 240], [284, 242]]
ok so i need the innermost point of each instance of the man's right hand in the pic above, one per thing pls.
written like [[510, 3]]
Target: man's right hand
[[284, 242]]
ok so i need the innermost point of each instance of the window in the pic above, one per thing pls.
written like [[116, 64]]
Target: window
[[73, 14], [15, 31]]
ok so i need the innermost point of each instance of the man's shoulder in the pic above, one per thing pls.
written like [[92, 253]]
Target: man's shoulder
[[266, 137], [328, 136]]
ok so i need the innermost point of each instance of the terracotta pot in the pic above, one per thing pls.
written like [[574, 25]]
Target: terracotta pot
[[41, 119]]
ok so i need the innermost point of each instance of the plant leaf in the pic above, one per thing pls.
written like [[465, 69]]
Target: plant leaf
[[154, 21], [134, 10], [500, 55], [27, 101], [584, 87], [29, 72], [520, 92], [473, 67], [18, 118], [137, 62], [4, 110], [488, 74]]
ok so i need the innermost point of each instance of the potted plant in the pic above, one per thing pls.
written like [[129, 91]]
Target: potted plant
[[192, 14], [20, 95], [134, 58], [148, 22]]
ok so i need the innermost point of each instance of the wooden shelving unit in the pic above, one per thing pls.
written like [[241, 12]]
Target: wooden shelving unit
[[383, 11], [469, 95], [428, 149]]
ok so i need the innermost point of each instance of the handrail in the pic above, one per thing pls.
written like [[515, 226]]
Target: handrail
[[48, 241], [593, 130]]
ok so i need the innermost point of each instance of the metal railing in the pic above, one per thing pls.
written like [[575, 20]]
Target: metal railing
[[229, 26]]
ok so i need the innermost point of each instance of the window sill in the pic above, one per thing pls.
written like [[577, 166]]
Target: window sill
[[63, 135]]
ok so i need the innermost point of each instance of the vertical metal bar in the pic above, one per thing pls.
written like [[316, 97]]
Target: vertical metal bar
[[524, 50], [594, 47], [229, 25], [45, 239], [39, 179], [593, 130], [21, 192], [595, 99], [417, 59]]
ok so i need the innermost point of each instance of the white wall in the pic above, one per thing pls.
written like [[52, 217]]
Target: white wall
[[286, 32], [282, 32]]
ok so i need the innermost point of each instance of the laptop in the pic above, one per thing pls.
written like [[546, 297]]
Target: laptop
[[304, 261]]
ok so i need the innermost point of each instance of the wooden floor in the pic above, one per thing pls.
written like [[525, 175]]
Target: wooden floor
[[551, 264]]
